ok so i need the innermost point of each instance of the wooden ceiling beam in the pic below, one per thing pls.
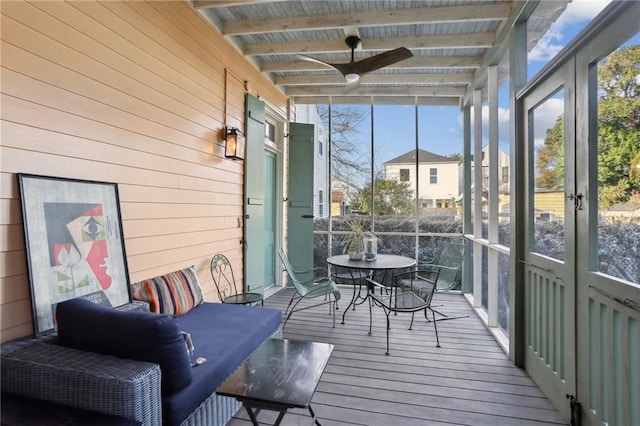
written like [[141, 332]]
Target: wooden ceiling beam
[[448, 41], [422, 15], [414, 62], [437, 91], [376, 100], [421, 78]]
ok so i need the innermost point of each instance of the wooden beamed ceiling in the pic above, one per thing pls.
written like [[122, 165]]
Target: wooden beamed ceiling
[[450, 40]]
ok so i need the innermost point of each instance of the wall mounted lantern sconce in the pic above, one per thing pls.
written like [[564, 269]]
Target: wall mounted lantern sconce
[[234, 144]]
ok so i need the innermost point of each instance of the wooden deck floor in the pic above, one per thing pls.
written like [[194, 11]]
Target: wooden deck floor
[[468, 381]]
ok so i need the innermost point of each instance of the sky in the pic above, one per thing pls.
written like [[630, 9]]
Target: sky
[[440, 128]]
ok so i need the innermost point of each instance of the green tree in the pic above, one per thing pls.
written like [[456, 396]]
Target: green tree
[[612, 194], [635, 166], [619, 126], [391, 198], [550, 158], [456, 156], [618, 133]]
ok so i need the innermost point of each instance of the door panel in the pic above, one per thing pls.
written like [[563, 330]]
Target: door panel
[[550, 239], [300, 222], [254, 222], [582, 319], [608, 289], [269, 219]]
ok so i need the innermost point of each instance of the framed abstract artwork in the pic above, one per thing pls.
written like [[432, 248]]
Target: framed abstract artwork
[[74, 244]]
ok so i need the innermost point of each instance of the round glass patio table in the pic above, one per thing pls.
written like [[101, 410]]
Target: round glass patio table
[[383, 262]]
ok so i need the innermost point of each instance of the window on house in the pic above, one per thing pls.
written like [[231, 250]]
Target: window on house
[[320, 148], [505, 175], [404, 175], [433, 175], [321, 203], [270, 131]]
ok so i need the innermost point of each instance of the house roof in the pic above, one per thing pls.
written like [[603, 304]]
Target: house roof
[[423, 157], [453, 43]]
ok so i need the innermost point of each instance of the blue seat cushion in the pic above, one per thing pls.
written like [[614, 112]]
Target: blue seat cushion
[[225, 335], [143, 336]]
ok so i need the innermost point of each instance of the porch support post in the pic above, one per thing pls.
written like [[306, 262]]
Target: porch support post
[[517, 182], [467, 267], [477, 197], [493, 296]]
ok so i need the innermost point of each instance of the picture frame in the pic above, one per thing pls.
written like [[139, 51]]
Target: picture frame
[[74, 244]]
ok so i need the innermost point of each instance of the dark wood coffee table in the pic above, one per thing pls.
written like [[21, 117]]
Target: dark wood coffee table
[[279, 375]]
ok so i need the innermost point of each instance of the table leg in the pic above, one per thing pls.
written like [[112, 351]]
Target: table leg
[[351, 303], [279, 419], [252, 415], [314, 420]]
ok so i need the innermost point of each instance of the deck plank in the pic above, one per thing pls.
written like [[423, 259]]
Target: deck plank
[[469, 380]]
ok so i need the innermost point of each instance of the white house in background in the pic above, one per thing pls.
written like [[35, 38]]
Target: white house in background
[[321, 196], [503, 182], [438, 177], [503, 170], [342, 195]]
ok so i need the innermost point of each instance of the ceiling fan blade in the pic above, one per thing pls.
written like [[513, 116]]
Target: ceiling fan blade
[[312, 59], [356, 69], [381, 60], [344, 68]]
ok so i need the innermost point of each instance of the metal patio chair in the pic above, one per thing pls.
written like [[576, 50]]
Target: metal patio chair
[[226, 286], [347, 276], [448, 258], [401, 297], [308, 286]]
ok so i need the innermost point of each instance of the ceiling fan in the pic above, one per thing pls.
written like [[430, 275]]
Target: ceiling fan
[[352, 71]]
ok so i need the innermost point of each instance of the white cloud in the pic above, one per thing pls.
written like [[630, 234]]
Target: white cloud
[[547, 47], [545, 117], [503, 122], [577, 15], [580, 10]]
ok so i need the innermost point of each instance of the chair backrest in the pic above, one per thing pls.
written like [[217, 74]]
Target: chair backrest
[[450, 255], [222, 274], [295, 276], [421, 281], [341, 274]]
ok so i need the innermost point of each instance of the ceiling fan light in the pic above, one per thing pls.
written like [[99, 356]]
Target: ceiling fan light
[[351, 77]]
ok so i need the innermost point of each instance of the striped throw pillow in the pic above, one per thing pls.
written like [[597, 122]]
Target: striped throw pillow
[[175, 293]]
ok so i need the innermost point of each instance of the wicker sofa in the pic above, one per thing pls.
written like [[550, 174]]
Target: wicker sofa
[[132, 365]]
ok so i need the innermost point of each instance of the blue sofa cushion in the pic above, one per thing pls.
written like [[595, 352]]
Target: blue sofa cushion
[[143, 336], [225, 335]]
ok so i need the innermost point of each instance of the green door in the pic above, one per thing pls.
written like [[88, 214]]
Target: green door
[[300, 222], [549, 286], [254, 219], [269, 218], [608, 275]]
